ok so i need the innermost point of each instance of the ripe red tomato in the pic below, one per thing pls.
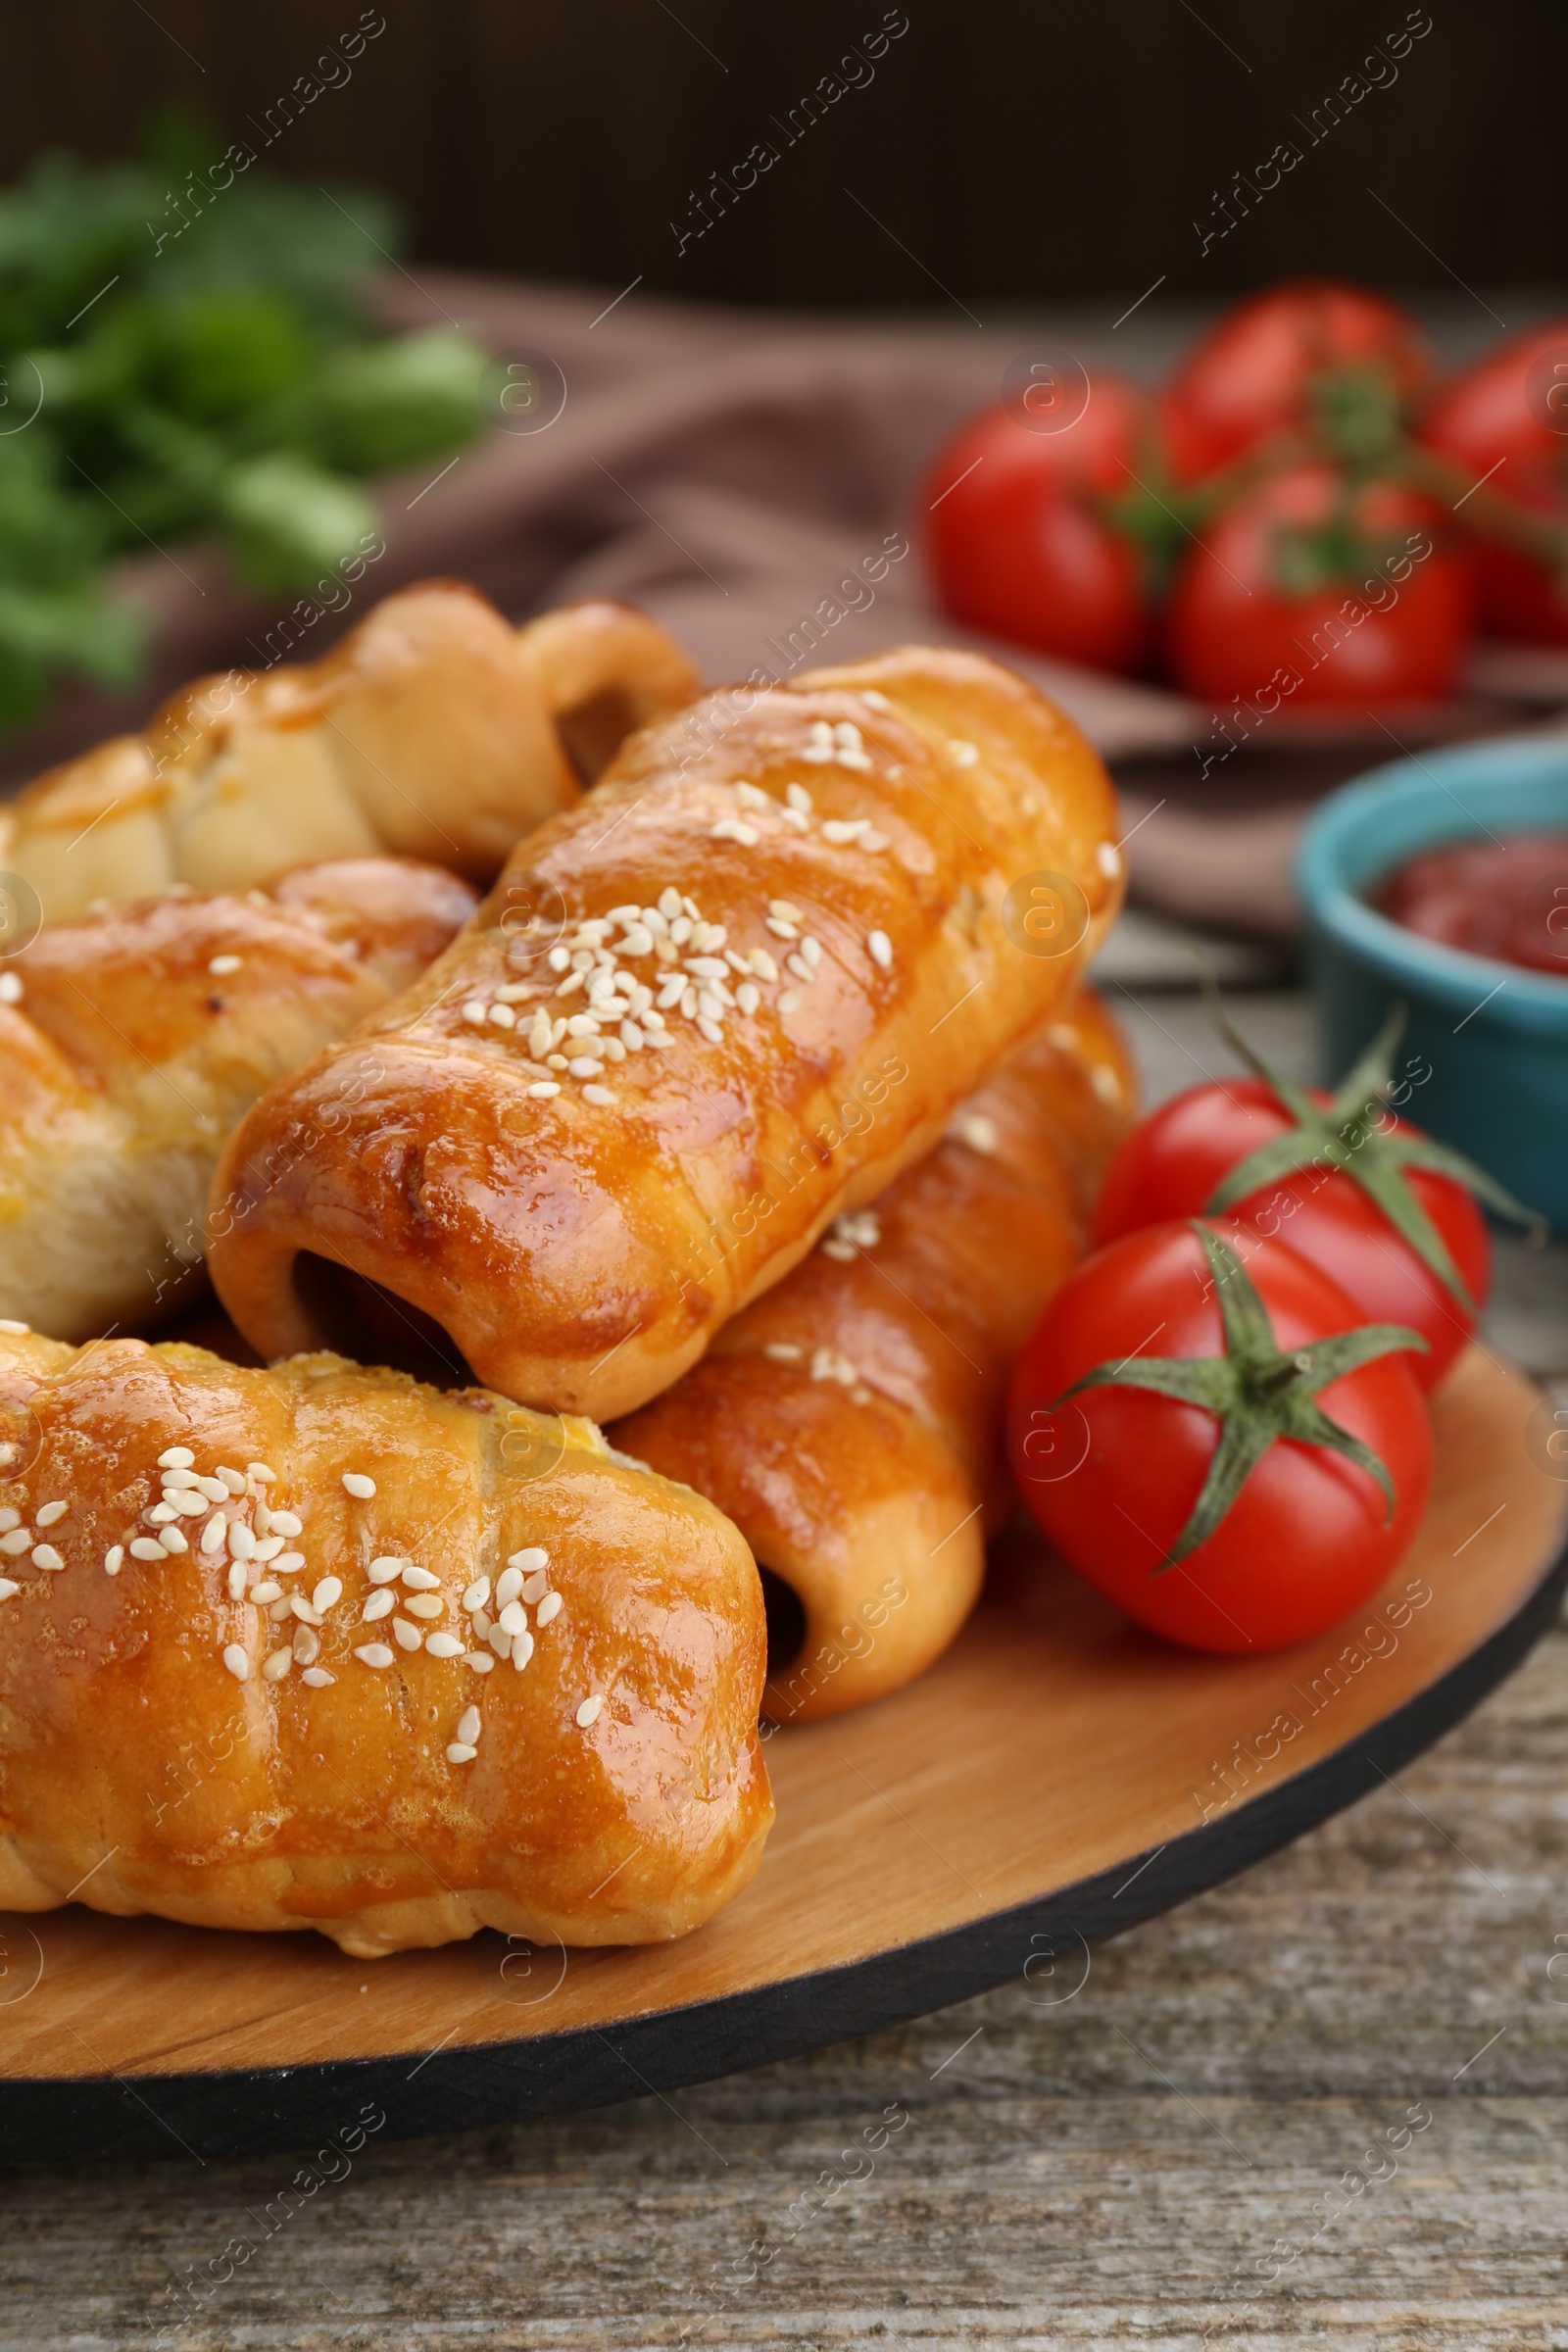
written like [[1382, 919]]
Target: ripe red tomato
[[1015, 538], [1498, 419], [1253, 375], [1114, 1473], [1175, 1160], [1305, 580]]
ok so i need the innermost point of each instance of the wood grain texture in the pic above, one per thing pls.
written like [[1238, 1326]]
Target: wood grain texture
[[1062, 2180]]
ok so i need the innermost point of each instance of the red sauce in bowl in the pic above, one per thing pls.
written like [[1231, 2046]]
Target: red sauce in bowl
[[1507, 899]]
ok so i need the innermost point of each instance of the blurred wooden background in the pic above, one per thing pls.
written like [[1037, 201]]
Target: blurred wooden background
[[1004, 151]]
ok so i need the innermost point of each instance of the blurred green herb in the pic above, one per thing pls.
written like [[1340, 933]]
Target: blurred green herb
[[184, 346]]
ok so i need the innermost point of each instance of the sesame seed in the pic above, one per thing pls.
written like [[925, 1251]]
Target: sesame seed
[[513, 1618], [532, 1557], [599, 1096], [480, 1660], [784, 1351], [388, 1566], [50, 1512], [799, 966], [477, 1594], [549, 1608], [145, 1548], [522, 1650], [420, 1580], [261, 1595], [236, 1580], [9, 1518], [114, 1559], [287, 1562], [237, 1659], [460, 1752], [8, 1323], [233, 1479], [261, 1473], [213, 1534], [749, 797], [355, 1483], [307, 1645], [8, 1589], [379, 1604], [44, 1555], [443, 1645], [373, 1653], [407, 1635], [789, 999], [469, 1725], [588, 1712], [267, 1547], [877, 698], [977, 1131], [17, 1542], [329, 1591], [543, 1089], [212, 1487], [961, 753], [871, 838], [10, 993], [178, 1457], [298, 1606], [474, 1012], [500, 1641], [881, 947], [584, 1066], [425, 1605], [172, 1538], [161, 1514], [278, 1610], [318, 1678], [189, 1504], [669, 904], [501, 1017], [241, 1542], [278, 1665]]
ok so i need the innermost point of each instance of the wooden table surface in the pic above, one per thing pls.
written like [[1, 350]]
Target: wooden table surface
[[1185, 2137]]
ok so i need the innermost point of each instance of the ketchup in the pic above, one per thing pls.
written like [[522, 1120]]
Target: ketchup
[[1507, 899]]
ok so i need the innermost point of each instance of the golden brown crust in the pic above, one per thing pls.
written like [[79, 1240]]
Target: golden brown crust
[[432, 729], [580, 1245], [140, 1036], [850, 1422], [139, 1774]]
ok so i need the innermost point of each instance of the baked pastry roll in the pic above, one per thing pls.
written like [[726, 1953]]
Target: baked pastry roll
[[320, 1648], [729, 996], [130, 1042], [850, 1422], [433, 729]]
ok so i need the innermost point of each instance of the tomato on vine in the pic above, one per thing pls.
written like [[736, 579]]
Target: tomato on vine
[[1214, 1436], [1386, 1210]]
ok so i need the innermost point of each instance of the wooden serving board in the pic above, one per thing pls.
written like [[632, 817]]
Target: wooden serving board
[[1058, 1778]]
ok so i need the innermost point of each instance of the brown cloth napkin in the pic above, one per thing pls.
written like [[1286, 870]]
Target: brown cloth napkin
[[760, 483]]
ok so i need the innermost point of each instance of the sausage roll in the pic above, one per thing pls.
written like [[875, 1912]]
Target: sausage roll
[[850, 1422], [320, 1648], [130, 1042], [433, 729], [726, 998]]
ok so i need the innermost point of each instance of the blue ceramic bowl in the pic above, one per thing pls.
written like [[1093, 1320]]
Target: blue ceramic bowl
[[1495, 1036]]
